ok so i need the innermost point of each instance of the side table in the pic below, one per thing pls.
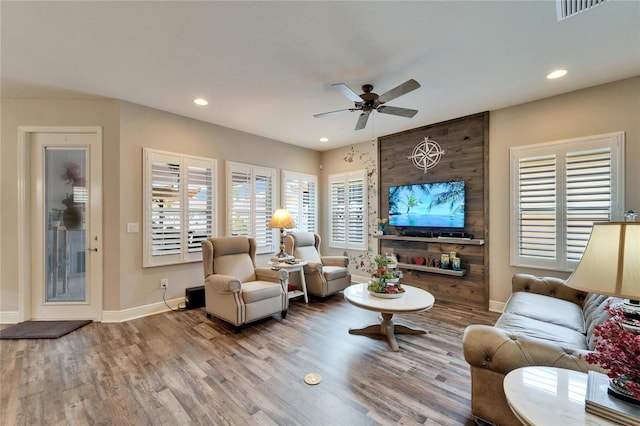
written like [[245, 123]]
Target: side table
[[549, 396], [299, 267]]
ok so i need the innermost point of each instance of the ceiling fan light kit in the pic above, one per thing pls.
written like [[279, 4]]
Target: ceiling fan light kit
[[368, 101]]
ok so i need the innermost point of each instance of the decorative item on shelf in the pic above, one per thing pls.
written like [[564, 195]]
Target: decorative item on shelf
[[392, 261], [419, 260], [282, 219], [382, 225], [455, 264], [610, 265], [444, 261], [384, 282]]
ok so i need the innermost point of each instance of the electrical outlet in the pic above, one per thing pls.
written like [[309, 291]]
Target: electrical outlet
[[164, 283]]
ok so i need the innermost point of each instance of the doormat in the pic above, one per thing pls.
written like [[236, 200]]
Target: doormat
[[41, 329]]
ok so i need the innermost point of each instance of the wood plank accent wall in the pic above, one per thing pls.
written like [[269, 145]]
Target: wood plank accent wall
[[465, 142]]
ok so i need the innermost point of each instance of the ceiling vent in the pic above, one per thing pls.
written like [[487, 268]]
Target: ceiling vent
[[568, 8]]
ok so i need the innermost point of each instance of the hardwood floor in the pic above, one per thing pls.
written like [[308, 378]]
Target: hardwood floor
[[180, 368]]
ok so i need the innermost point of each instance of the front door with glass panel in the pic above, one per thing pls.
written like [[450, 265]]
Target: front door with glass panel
[[66, 226]]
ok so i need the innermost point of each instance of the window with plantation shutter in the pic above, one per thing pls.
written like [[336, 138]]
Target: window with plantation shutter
[[347, 215], [558, 190], [179, 207], [250, 203], [300, 198]]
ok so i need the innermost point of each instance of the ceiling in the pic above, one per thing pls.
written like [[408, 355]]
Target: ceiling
[[267, 67]]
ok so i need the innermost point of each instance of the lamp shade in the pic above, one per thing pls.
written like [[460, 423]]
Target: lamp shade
[[610, 264], [281, 218]]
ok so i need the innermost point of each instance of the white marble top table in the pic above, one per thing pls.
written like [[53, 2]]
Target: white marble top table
[[413, 300], [549, 396]]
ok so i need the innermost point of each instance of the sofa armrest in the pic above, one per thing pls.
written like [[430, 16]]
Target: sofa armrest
[[335, 261], [501, 351], [547, 286], [222, 284]]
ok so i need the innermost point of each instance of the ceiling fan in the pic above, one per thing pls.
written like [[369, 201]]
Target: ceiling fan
[[368, 101]]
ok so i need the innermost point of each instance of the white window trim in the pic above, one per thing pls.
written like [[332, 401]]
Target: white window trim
[[271, 242], [349, 242], [184, 255], [312, 216], [614, 141]]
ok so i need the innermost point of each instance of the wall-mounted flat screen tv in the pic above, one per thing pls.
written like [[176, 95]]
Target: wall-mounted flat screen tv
[[427, 205]]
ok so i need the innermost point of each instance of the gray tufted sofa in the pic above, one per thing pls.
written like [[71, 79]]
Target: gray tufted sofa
[[543, 323]]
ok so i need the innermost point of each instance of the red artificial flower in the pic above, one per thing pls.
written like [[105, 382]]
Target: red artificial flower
[[618, 350]]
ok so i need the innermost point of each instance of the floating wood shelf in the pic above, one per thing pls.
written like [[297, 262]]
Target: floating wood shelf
[[433, 270], [473, 242]]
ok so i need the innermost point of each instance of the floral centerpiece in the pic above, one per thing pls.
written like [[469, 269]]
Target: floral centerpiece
[[617, 350], [384, 280]]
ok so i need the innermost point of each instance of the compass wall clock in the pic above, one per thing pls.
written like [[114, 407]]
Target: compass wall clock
[[426, 154]]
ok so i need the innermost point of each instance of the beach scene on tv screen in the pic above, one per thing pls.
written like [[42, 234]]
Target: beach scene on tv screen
[[429, 205]]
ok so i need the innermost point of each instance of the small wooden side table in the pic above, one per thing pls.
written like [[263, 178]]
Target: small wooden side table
[[299, 267]]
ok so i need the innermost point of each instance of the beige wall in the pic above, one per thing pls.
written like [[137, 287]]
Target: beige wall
[[49, 112], [146, 127], [127, 128], [354, 157], [597, 110]]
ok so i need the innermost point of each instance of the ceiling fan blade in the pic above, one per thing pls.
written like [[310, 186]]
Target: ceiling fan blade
[[362, 121], [348, 92], [402, 112], [324, 114], [400, 90]]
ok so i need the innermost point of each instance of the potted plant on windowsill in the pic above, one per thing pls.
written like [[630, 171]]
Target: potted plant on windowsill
[[71, 216]]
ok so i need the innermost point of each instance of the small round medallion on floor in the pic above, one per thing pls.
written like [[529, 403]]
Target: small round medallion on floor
[[312, 378]]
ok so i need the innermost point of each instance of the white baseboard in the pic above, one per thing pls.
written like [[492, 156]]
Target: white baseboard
[[495, 306], [140, 311], [10, 317]]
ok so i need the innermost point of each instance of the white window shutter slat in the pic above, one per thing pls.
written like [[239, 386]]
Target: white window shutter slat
[[179, 207], [558, 191]]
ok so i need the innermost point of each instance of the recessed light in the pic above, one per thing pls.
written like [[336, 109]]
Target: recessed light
[[556, 74], [324, 139], [200, 101]]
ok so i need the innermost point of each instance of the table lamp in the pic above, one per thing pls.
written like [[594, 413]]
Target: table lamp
[[282, 219], [610, 264]]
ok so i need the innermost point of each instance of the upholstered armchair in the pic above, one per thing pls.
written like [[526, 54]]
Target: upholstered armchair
[[235, 289], [324, 275]]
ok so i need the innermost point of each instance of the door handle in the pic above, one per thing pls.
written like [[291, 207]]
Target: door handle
[[92, 249]]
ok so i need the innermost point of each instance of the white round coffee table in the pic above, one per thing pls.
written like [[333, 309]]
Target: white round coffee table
[[414, 300]]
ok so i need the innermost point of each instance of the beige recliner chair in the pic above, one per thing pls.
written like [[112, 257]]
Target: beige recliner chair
[[235, 290], [324, 275]]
